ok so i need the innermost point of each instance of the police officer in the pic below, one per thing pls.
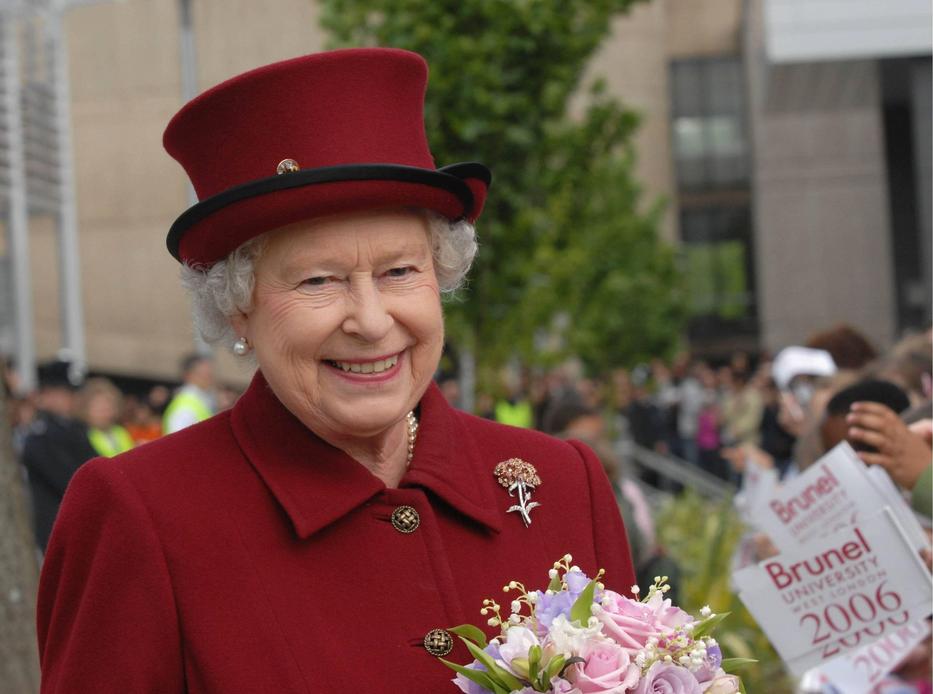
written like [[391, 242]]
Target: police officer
[[56, 445]]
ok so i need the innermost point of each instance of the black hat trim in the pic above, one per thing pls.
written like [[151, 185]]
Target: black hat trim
[[449, 178]]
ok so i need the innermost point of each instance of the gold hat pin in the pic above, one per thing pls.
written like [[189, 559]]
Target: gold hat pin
[[519, 476]]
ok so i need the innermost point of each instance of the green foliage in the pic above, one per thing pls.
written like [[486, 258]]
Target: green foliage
[[703, 537], [563, 232]]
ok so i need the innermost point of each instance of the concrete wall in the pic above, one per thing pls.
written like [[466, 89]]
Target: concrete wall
[[635, 60], [820, 193], [126, 85]]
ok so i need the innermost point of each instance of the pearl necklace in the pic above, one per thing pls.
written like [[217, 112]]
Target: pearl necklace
[[412, 423]]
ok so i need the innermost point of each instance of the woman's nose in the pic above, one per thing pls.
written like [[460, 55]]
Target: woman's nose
[[367, 316]]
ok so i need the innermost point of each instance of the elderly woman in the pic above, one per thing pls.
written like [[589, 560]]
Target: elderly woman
[[322, 534]]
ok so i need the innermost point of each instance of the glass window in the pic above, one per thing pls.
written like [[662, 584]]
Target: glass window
[[717, 261], [710, 144]]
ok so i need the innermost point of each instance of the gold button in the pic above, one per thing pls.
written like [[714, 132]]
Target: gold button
[[438, 642], [287, 166], [405, 519]]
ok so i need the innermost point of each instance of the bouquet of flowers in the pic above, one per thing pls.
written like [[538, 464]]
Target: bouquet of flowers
[[578, 637]]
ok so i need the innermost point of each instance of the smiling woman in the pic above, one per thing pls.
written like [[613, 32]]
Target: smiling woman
[[324, 533]]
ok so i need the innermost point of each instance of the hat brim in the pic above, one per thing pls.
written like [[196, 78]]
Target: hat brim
[[211, 229]]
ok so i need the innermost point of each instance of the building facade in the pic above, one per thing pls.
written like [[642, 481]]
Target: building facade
[[790, 138]]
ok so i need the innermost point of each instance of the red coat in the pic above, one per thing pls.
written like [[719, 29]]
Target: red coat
[[244, 554]]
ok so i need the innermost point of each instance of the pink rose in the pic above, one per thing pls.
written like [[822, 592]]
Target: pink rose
[[608, 669], [627, 622], [631, 623], [663, 678]]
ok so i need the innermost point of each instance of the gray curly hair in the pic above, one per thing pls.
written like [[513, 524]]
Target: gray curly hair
[[226, 288]]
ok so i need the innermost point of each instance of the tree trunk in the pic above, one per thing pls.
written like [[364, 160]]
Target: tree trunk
[[19, 663]]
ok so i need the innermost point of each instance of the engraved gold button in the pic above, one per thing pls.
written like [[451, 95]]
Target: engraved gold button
[[287, 166], [438, 642], [405, 519]]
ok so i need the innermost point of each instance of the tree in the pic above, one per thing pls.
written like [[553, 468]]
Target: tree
[[562, 233]]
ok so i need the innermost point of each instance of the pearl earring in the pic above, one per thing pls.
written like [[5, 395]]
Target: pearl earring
[[241, 347]]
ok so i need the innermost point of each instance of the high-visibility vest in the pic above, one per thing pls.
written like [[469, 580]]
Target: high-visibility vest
[[185, 400], [111, 442], [518, 415]]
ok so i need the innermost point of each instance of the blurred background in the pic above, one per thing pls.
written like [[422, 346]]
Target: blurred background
[[681, 189]]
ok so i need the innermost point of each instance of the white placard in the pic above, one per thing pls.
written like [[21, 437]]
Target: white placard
[[860, 670], [830, 495], [833, 594], [879, 477]]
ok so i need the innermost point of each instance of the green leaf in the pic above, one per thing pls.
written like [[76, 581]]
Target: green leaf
[[468, 631], [497, 673], [481, 678], [582, 608], [554, 667], [534, 662], [742, 687], [729, 664], [705, 627]]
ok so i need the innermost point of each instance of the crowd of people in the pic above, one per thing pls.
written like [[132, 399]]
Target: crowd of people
[[70, 419], [715, 414]]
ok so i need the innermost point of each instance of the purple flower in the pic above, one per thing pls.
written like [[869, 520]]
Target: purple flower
[[548, 607], [710, 667], [664, 678], [576, 581]]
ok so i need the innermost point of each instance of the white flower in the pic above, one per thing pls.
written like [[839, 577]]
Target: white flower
[[518, 641], [635, 589], [705, 611], [516, 606], [552, 573], [569, 639]]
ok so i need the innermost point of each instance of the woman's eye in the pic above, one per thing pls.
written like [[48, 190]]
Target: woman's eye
[[316, 281], [400, 271]]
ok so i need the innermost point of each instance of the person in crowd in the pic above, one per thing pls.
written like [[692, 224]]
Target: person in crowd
[[872, 394], [909, 364], [742, 407], [645, 420], [577, 420], [708, 441], [99, 406], [848, 347], [195, 401], [515, 409], [143, 419], [55, 447], [450, 389], [776, 441], [664, 398], [692, 397], [322, 534]]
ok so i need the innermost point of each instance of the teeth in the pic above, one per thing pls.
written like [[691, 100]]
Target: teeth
[[367, 367]]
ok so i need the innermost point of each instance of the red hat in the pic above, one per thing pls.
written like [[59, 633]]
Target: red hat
[[312, 136]]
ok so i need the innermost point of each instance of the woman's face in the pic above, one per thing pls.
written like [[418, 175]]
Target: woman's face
[[346, 321], [101, 411]]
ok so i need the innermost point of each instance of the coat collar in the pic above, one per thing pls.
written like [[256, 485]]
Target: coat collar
[[317, 484]]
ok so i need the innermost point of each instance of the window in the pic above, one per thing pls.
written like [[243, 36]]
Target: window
[[710, 144], [717, 259]]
